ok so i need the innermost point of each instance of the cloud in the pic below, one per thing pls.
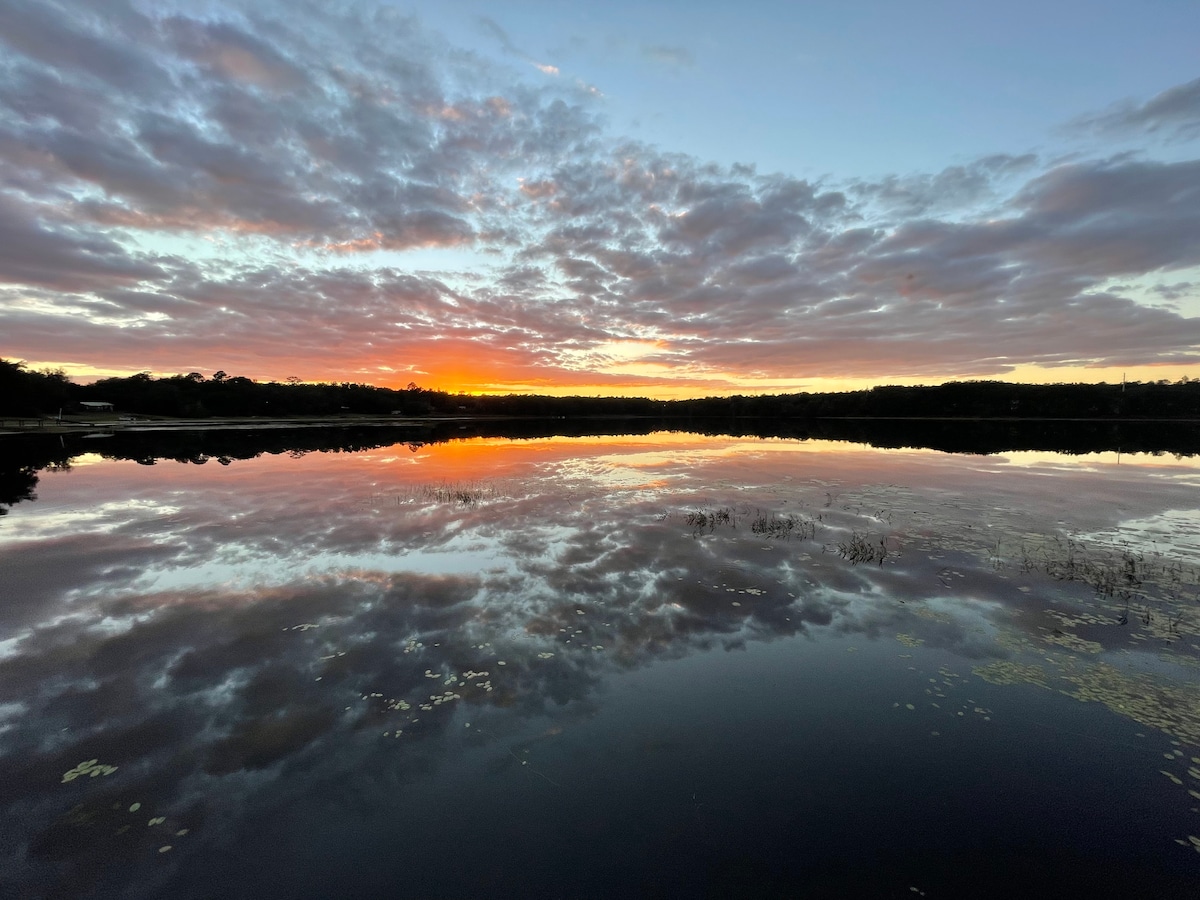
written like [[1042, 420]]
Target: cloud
[[493, 30], [953, 189], [230, 53], [779, 263], [674, 57], [82, 44], [265, 174], [1173, 114], [39, 246]]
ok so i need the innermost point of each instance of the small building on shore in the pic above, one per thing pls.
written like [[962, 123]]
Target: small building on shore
[[96, 406]]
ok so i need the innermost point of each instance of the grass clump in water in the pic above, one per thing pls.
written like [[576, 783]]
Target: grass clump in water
[[859, 550], [783, 527], [706, 521]]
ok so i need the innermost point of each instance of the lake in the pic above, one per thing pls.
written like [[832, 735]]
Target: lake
[[643, 665]]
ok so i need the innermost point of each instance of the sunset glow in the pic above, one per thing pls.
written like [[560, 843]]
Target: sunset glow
[[491, 199]]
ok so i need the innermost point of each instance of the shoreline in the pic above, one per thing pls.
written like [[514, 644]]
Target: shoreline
[[18, 426]]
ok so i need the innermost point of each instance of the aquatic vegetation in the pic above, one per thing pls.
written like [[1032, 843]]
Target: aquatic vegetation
[[858, 549], [1123, 576], [1170, 707], [1009, 672], [702, 521], [464, 495], [783, 527], [1072, 642], [90, 767]]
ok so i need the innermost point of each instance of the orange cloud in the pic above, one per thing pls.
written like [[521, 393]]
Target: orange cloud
[[538, 190]]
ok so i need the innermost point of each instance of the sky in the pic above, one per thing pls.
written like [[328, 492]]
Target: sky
[[656, 199]]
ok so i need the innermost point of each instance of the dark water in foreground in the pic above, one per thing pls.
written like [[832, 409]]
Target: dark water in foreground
[[656, 665]]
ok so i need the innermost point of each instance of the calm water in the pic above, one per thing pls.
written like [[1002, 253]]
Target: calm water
[[658, 665]]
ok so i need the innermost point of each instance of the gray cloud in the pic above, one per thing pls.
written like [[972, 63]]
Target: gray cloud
[[1173, 113], [295, 146], [80, 44], [674, 57], [492, 28], [229, 53], [954, 188], [39, 248]]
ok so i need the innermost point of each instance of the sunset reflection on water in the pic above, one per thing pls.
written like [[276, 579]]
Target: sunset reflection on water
[[461, 626]]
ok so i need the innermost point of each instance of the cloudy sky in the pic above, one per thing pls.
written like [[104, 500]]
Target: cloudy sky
[[666, 199]]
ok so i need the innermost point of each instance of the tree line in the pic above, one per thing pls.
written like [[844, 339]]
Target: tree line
[[970, 399], [28, 393]]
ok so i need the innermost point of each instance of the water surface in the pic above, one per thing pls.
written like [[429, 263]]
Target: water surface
[[650, 665]]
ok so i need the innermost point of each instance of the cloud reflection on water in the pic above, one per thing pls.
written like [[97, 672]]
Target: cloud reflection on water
[[231, 637]]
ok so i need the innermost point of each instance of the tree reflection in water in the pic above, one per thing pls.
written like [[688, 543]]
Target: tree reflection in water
[[382, 636]]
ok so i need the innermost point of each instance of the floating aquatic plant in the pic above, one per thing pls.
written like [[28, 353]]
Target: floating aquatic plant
[[89, 767]]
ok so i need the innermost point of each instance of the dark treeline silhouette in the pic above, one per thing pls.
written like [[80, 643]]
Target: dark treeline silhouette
[[970, 399], [194, 396], [25, 393]]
